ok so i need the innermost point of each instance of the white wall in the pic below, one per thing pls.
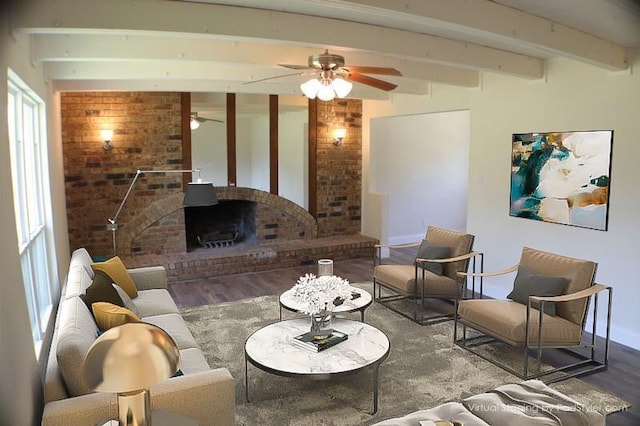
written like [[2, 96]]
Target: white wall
[[573, 96], [260, 153], [293, 155], [428, 156], [209, 152], [21, 384]]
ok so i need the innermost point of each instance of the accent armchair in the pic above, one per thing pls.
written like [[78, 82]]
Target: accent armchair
[[433, 274], [548, 308]]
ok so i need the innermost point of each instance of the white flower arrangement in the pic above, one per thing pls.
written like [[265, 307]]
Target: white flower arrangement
[[319, 293]]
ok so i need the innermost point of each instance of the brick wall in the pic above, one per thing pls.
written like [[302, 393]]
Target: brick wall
[[339, 167], [147, 135]]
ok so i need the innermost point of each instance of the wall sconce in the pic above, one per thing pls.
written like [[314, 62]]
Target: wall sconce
[[106, 134], [338, 135], [193, 122]]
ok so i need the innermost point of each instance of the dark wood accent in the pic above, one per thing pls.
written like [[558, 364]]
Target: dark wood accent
[[620, 379], [273, 144], [231, 139], [313, 157], [185, 104]]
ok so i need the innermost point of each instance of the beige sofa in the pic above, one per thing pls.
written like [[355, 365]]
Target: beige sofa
[[202, 393]]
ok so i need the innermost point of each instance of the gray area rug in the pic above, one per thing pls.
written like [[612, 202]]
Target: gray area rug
[[424, 369]]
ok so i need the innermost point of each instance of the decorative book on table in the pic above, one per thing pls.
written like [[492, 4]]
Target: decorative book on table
[[338, 301], [310, 342]]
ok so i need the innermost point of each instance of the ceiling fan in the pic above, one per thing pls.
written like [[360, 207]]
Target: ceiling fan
[[332, 76], [195, 120]]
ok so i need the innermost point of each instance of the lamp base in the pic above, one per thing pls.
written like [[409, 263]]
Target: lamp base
[[134, 408], [162, 418]]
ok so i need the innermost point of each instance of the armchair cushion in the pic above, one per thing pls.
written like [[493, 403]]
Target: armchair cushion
[[459, 243], [428, 250], [506, 320], [578, 273], [529, 283], [403, 279]]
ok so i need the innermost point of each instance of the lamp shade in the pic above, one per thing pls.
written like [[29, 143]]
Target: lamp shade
[[326, 92], [310, 88], [341, 86], [130, 357], [200, 194]]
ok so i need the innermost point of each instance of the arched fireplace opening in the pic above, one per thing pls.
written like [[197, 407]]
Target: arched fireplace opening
[[226, 224]]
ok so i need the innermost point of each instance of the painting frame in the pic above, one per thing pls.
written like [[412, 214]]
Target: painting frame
[[562, 177]]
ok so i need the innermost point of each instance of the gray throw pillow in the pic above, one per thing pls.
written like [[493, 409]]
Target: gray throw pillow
[[126, 300], [431, 251], [101, 290], [529, 283]]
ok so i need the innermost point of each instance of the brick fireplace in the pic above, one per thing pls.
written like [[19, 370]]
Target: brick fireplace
[[154, 227]]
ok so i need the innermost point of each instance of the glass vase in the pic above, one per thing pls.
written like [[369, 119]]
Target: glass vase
[[321, 324], [325, 267]]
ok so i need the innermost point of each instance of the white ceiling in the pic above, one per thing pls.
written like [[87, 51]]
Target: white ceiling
[[220, 45]]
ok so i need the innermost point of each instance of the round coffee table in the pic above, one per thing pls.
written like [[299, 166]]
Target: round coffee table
[[271, 349], [288, 302]]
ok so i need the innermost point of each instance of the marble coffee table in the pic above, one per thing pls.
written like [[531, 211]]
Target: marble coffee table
[[271, 349], [288, 302]]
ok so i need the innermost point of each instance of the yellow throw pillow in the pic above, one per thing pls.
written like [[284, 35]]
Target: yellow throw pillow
[[108, 315], [118, 273]]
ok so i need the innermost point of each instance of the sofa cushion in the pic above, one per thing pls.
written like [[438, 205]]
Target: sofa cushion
[[193, 361], [101, 290], [77, 331], [155, 302], [175, 326], [126, 300], [108, 315], [118, 273], [78, 279], [528, 283]]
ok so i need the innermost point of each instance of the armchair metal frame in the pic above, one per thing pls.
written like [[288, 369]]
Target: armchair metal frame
[[421, 277], [585, 364]]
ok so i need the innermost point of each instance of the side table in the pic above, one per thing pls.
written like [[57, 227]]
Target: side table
[[288, 302]]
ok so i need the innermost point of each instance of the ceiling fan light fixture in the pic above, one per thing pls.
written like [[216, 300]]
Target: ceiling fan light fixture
[[341, 86], [311, 88], [326, 92]]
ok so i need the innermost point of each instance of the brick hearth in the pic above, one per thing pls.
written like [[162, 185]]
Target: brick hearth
[[239, 259]]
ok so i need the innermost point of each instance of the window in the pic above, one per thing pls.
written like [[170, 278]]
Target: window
[[29, 172]]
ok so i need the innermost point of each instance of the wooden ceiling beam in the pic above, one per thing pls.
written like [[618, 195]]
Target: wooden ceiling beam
[[69, 16], [491, 20]]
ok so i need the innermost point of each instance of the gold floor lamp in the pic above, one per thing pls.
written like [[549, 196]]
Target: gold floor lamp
[[127, 360]]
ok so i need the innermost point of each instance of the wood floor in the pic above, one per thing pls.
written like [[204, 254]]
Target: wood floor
[[622, 378]]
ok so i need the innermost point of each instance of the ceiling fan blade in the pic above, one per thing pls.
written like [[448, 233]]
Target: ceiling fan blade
[[296, 67], [271, 78], [373, 70], [370, 81]]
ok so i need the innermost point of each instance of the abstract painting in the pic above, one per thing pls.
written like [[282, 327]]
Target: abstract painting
[[562, 177]]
